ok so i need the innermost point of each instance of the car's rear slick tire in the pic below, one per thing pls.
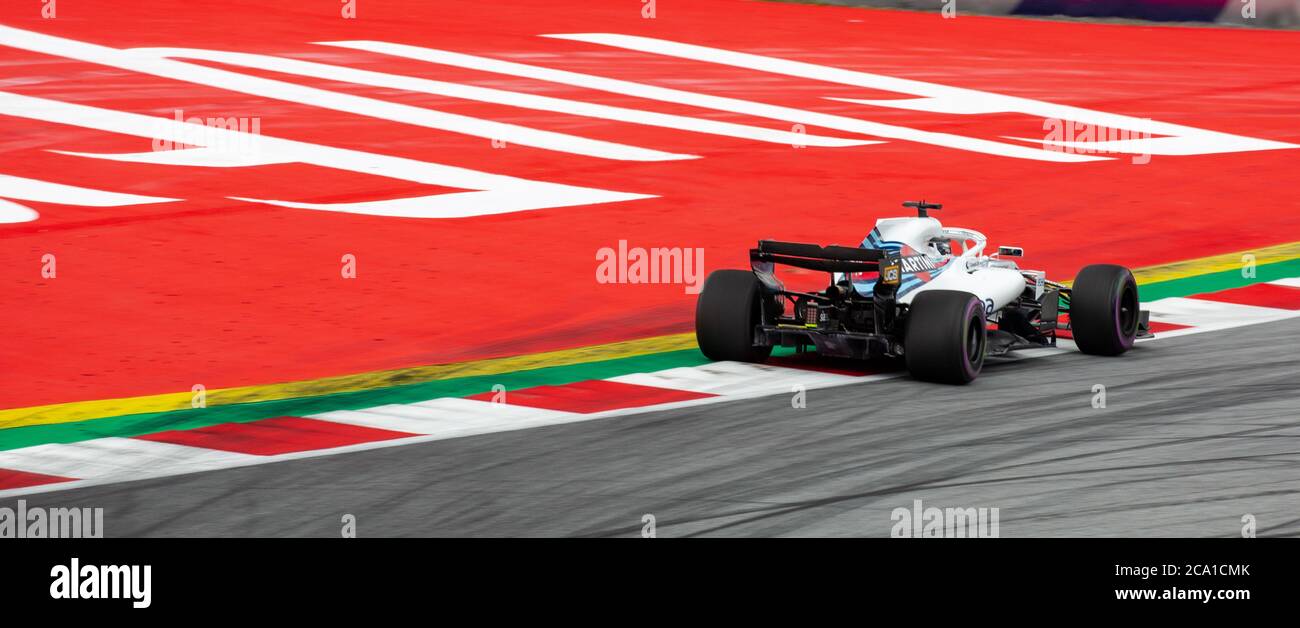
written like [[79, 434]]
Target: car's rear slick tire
[[1104, 309], [726, 313], [946, 337]]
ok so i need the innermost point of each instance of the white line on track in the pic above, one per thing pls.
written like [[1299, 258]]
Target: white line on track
[[505, 97], [719, 103], [448, 417], [146, 63], [1203, 315], [1181, 140], [25, 189], [737, 378], [115, 458]]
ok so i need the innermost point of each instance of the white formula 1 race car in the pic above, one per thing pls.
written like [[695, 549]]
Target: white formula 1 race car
[[905, 293]]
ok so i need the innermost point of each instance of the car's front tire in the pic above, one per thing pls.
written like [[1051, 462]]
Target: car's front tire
[[1104, 309], [726, 313], [946, 336]]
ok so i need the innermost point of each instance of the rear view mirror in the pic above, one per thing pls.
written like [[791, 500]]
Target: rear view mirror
[[1010, 251]]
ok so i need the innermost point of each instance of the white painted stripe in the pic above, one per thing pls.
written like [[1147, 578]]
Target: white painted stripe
[[1137, 145], [449, 416], [962, 106], [720, 103], [1182, 140], [1292, 282], [116, 458], [325, 99], [502, 194], [25, 189], [504, 97], [11, 212], [450, 204], [199, 157], [473, 412], [391, 420], [736, 378], [1203, 315]]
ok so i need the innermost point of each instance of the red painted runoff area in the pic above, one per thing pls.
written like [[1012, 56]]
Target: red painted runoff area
[[126, 299]]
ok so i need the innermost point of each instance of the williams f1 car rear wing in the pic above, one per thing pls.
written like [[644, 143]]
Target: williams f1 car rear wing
[[831, 259]]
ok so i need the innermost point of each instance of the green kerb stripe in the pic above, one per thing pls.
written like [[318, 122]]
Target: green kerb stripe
[[1214, 282], [137, 424]]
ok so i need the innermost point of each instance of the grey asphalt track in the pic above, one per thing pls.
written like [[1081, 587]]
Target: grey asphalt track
[[1197, 432]]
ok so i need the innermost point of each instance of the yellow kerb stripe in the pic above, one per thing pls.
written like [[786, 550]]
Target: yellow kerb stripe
[[82, 410]]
